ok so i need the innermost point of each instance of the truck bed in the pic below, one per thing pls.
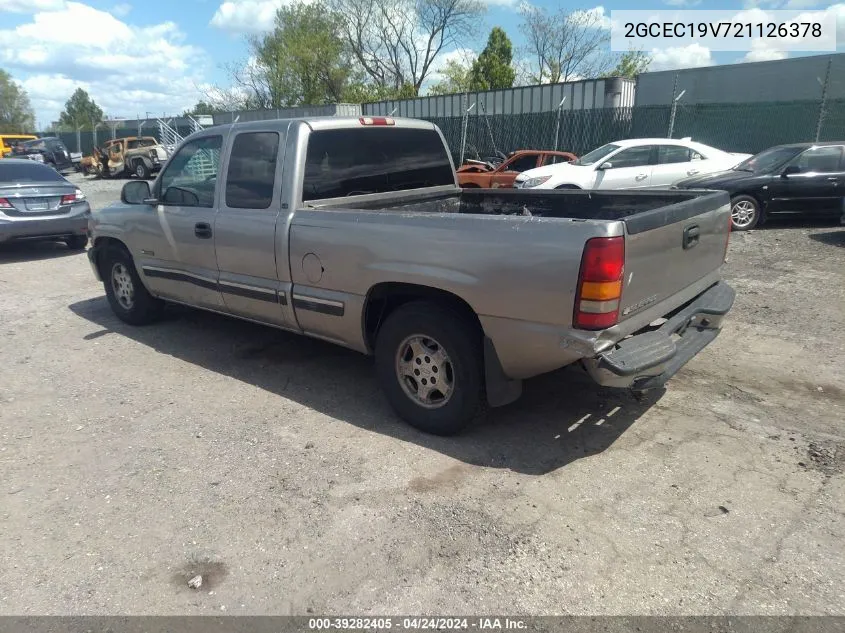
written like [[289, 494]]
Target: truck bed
[[640, 210]]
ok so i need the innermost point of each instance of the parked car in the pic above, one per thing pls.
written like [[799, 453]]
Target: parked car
[[354, 231], [632, 164], [8, 142], [141, 156], [488, 176], [802, 178], [48, 150], [36, 202]]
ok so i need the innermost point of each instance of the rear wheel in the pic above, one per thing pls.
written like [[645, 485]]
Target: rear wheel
[[430, 366], [77, 242], [745, 213], [127, 296]]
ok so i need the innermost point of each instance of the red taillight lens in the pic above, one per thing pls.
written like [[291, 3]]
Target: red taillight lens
[[600, 283], [71, 198], [5, 204], [376, 120]]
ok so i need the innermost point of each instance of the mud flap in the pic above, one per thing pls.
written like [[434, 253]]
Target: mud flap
[[501, 390]]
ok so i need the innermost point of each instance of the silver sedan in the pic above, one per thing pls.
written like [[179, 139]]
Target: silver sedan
[[36, 202]]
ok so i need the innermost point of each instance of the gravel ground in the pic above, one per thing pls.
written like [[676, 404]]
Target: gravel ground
[[133, 459]]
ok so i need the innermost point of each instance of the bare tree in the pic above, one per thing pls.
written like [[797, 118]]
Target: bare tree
[[565, 45], [397, 41]]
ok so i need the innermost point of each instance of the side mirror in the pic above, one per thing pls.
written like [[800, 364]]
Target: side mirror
[[604, 166], [136, 192], [791, 169]]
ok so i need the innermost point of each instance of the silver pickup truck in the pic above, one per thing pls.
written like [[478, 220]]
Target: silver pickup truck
[[354, 231]]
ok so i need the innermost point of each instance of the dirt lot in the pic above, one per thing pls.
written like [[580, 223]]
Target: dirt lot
[[133, 458]]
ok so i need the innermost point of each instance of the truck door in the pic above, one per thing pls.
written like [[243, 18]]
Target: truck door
[[245, 227], [176, 237]]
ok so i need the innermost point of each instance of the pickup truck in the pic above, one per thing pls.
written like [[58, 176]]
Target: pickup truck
[[354, 231]]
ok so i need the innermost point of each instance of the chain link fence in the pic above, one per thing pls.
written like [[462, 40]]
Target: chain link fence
[[733, 127], [85, 140]]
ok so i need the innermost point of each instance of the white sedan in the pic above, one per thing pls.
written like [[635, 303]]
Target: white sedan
[[632, 164]]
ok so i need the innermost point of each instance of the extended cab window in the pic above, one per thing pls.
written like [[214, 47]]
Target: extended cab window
[[251, 177], [357, 161], [191, 175]]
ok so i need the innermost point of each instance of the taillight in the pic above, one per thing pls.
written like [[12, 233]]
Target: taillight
[[376, 120], [71, 198], [5, 204], [600, 283]]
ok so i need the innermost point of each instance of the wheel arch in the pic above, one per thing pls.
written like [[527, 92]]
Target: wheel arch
[[385, 297]]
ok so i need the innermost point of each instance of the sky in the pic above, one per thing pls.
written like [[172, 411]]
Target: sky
[[155, 57]]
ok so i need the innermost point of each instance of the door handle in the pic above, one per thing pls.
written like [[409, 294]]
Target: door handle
[[641, 177], [833, 178], [692, 172], [691, 235], [202, 230]]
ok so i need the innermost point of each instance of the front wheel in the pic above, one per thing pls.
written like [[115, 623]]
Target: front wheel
[[127, 296], [430, 365], [745, 213]]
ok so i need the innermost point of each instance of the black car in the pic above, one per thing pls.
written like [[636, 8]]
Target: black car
[[803, 178], [50, 149]]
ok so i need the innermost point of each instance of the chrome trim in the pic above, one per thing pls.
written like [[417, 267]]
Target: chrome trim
[[325, 302], [234, 284]]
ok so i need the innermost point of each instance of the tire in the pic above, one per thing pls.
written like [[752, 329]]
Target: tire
[[77, 242], [446, 346], [745, 213], [127, 296], [141, 170]]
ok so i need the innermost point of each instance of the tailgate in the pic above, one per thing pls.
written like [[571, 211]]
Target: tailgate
[[671, 248]]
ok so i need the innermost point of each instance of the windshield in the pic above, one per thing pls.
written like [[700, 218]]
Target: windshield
[[596, 155], [15, 173], [768, 160]]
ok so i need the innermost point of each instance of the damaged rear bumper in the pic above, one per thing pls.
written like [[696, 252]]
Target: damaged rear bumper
[[649, 359]]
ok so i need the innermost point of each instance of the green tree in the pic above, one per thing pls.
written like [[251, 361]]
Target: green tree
[[202, 107], [494, 67], [456, 78], [630, 64], [303, 61], [16, 115], [81, 112]]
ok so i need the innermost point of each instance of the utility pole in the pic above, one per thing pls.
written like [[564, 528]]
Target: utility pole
[[823, 105], [557, 126]]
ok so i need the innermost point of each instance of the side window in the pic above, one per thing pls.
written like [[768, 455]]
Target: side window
[[631, 157], [696, 155], [191, 175], [669, 154], [825, 159], [251, 176], [523, 163]]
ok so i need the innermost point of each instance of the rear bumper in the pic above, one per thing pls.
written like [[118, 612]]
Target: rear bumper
[[75, 223], [649, 359]]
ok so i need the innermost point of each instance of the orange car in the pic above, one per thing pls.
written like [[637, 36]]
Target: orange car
[[477, 174]]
